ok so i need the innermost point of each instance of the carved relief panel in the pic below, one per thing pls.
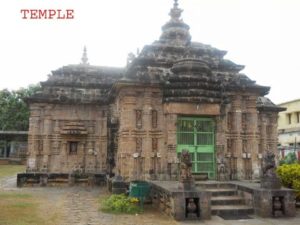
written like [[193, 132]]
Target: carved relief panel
[[154, 119], [244, 122], [154, 144], [139, 144], [139, 119]]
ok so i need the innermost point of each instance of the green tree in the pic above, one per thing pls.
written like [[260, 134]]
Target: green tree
[[14, 112]]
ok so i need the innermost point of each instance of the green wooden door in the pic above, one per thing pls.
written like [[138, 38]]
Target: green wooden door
[[196, 134]]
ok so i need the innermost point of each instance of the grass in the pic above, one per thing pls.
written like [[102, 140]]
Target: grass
[[10, 170], [17, 208], [23, 209]]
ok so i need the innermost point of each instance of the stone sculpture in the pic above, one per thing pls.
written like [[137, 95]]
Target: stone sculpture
[[186, 180], [269, 178], [222, 170]]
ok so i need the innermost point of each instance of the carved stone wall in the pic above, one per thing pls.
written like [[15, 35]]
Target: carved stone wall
[[141, 149], [242, 137], [123, 120], [267, 132], [67, 138]]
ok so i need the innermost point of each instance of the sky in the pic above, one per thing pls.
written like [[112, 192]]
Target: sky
[[263, 35]]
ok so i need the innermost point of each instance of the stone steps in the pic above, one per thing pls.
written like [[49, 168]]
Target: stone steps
[[231, 210], [227, 200], [214, 185], [222, 191]]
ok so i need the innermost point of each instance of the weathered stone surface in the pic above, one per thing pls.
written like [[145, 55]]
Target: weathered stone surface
[[118, 185], [269, 179], [59, 179], [175, 201], [264, 204], [92, 119]]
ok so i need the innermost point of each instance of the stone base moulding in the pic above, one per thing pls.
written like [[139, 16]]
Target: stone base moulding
[[59, 179]]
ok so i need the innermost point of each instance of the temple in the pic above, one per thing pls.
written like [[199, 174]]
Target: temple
[[175, 95]]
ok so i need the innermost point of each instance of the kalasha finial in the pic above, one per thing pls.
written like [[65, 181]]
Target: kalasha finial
[[175, 12], [84, 58], [175, 3]]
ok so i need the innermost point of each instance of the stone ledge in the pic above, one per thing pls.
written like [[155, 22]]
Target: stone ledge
[[59, 179]]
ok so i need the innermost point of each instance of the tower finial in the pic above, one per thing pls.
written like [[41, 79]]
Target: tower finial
[[175, 12], [84, 58], [175, 3]]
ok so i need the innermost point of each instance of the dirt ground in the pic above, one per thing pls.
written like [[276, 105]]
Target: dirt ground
[[80, 206]]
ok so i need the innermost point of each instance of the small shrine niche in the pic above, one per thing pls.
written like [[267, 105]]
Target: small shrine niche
[[139, 119], [154, 144], [139, 145], [192, 210], [278, 206], [154, 118], [73, 147]]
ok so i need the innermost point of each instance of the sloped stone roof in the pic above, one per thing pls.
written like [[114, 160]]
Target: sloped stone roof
[[187, 71], [264, 103]]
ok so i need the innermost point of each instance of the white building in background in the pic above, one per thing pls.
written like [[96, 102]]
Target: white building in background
[[289, 128]]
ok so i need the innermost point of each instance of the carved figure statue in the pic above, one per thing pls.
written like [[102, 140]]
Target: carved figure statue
[[185, 166], [269, 179], [268, 164], [139, 118], [222, 170]]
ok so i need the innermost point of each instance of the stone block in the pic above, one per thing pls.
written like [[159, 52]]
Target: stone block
[[181, 204], [118, 185], [268, 203]]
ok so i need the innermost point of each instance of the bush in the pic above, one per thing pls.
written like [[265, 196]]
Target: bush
[[121, 204], [296, 186], [290, 176]]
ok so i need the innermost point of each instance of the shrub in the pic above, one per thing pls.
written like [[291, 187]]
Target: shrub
[[121, 204], [290, 176], [296, 186]]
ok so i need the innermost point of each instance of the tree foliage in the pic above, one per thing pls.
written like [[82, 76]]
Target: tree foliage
[[14, 112]]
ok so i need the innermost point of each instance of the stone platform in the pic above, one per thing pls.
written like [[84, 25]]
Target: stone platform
[[223, 199], [59, 179], [175, 202]]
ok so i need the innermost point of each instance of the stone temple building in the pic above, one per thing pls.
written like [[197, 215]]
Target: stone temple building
[[135, 121]]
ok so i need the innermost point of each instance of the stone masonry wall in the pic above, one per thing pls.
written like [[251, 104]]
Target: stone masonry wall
[[54, 128], [242, 132], [141, 146]]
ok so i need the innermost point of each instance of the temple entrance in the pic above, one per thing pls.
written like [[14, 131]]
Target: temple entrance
[[196, 134]]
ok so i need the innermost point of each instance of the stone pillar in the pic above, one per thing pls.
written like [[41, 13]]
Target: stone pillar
[[46, 144], [273, 133], [64, 157], [169, 144], [147, 142], [82, 155], [126, 142], [236, 131], [147, 150], [251, 133], [221, 173], [99, 160], [33, 139], [263, 132]]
